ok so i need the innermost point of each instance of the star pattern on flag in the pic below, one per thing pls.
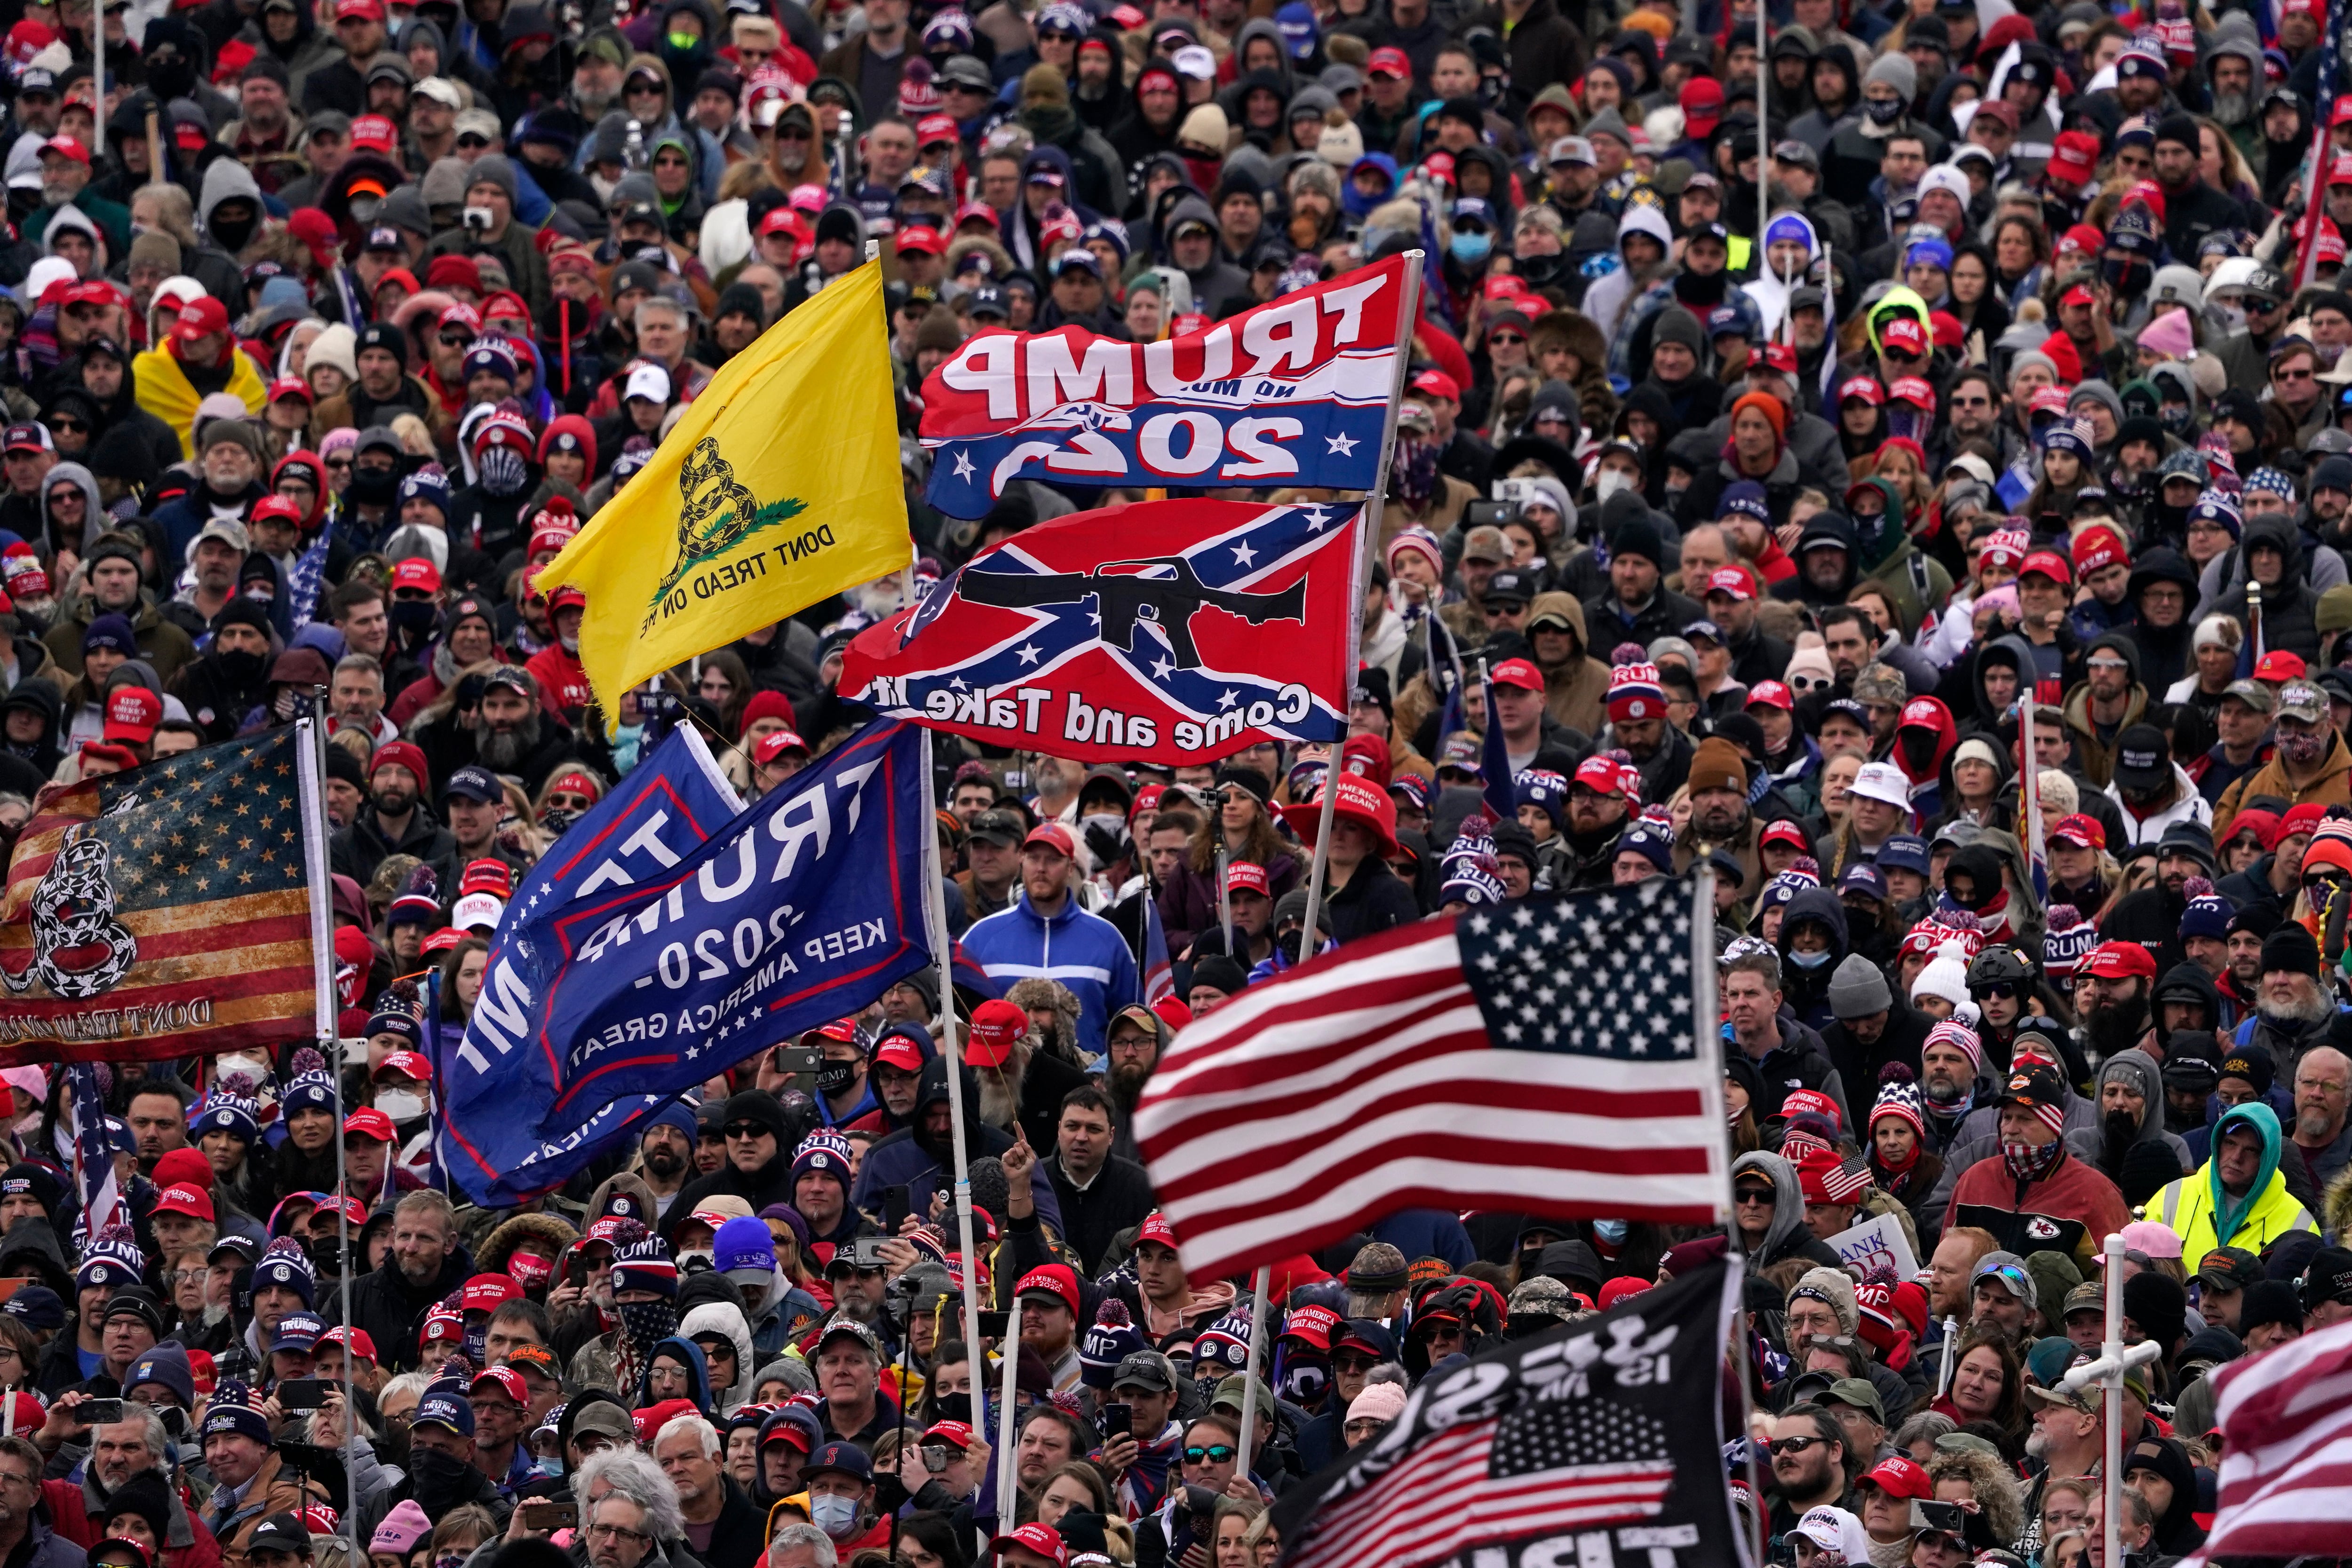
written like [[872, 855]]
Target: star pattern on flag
[[1563, 1434], [203, 825], [1597, 973]]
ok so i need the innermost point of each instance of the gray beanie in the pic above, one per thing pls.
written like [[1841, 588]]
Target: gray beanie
[[2098, 390], [794, 1375], [1859, 989], [494, 168], [1676, 325], [445, 181], [1609, 122], [1897, 72]]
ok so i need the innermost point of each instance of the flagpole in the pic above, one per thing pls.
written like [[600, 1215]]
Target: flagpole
[[1407, 315], [310, 774], [1009, 1357], [1764, 138], [1707, 1043], [1264, 1284], [935, 923], [2035, 845]]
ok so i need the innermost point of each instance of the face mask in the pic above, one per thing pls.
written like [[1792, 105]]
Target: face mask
[[834, 1076], [571, 640], [1883, 111], [530, 1270], [439, 1480], [2228, 315], [1610, 1232], [551, 1468], [1304, 1379], [2029, 1163], [1807, 960], [837, 1516], [2302, 751], [2176, 418], [682, 42], [1611, 481], [373, 486], [1468, 247], [232, 232], [252, 1071], [952, 1407], [412, 619], [400, 1105], [504, 471], [2126, 276], [648, 1322]]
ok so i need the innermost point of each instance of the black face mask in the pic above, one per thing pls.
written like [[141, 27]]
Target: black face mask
[[173, 76], [375, 487], [245, 671], [834, 1076], [2127, 276], [952, 1407], [414, 619], [1702, 289], [439, 1481], [232, 232], [1883, 111], [1918, 747]]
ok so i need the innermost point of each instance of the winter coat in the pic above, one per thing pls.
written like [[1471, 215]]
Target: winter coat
[[2329, 785], [273, 1490], [2072, 1209], [392, 1311], [1787, 1235], [2188, 805]]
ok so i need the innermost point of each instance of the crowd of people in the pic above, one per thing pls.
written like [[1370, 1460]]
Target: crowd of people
[[1896, 457]]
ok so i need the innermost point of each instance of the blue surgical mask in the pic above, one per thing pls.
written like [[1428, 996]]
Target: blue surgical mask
[[1471, 248], [1809, 960], [1611, 1231], [837, 1516]]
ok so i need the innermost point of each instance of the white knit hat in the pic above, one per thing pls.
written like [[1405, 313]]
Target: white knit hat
[[1945, 976]]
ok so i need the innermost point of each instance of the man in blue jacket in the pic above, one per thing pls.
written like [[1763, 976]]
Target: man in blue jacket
[[1044, 935]]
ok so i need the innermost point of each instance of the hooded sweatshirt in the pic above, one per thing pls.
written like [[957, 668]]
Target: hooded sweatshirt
[[2139, 1071], [1786, 1236], [2204, 1215], [722, 1318]]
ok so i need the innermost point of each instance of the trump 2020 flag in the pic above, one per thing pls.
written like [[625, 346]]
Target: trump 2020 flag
[[778, 487], [1293, 392], [1599, 1442], [1180, 630], [802, 910], [670, 803]]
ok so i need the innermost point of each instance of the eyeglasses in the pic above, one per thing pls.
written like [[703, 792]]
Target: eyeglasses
[[1790, 1445], [745, 1129], [614, 1532], [567, 800], [1747, 1196], [1971, 402], [456, 339], [1215, 1454], [2290, 375]]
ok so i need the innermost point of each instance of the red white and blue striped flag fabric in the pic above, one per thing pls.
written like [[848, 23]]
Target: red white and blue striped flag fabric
[[101, 1197], [1543, 1057], [2286, 1456]]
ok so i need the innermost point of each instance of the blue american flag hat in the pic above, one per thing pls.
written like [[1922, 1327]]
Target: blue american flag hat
[[112, 1259], [313, 1091], [227, 1113]]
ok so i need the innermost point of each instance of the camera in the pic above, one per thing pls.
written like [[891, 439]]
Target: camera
[[866, 1252], [478, 219]]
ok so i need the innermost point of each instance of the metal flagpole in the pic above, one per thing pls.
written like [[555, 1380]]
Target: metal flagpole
[[935, 923], [1706, 1042], [1007, 1494], [310, 773], [1264, 1283], [1225, 895], [1764, 138], [1408, 314]]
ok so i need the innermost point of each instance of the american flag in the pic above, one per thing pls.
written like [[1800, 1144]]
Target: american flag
[[1578, 1433], [309, 578], [102, 1199], [1542, 1057], [1159, 973], [2287, 1456]]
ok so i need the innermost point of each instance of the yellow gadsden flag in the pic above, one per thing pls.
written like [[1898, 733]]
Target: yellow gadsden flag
[[777, 488]]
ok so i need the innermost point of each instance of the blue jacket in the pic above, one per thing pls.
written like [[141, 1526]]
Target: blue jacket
[[1082, 951]]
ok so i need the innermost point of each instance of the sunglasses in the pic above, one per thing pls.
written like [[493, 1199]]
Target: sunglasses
[[471, 142], [1790, 1445], [1215, 1454], [58, 422], [566, 801], [1994, 990], [1508, 338], [745, 1129], [456, 339]]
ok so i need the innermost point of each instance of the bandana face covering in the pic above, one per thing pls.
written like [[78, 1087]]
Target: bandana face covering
[[503, 471], [2028, 1161], [1414, 470]]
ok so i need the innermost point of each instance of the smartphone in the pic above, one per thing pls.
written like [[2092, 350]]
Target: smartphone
[[796, 1058], [1949, 1516], [99, 1412], [545, 1514], [894, 1208], [992, 1325], [302, 1393], [935, 1460], [1117, 1420], [866, 1252]]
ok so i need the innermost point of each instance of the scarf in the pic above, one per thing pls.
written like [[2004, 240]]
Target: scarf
[[1891, 1179], [1414, 471], [1146, 1479]]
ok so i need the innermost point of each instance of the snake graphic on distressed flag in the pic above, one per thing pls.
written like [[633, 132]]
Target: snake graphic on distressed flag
[[163, 912]]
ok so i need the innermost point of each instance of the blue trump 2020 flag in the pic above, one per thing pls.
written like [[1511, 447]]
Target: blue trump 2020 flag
[[666, 808], [800, 911]]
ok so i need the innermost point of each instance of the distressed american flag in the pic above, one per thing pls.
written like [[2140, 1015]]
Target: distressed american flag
[[1539, 1057]]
